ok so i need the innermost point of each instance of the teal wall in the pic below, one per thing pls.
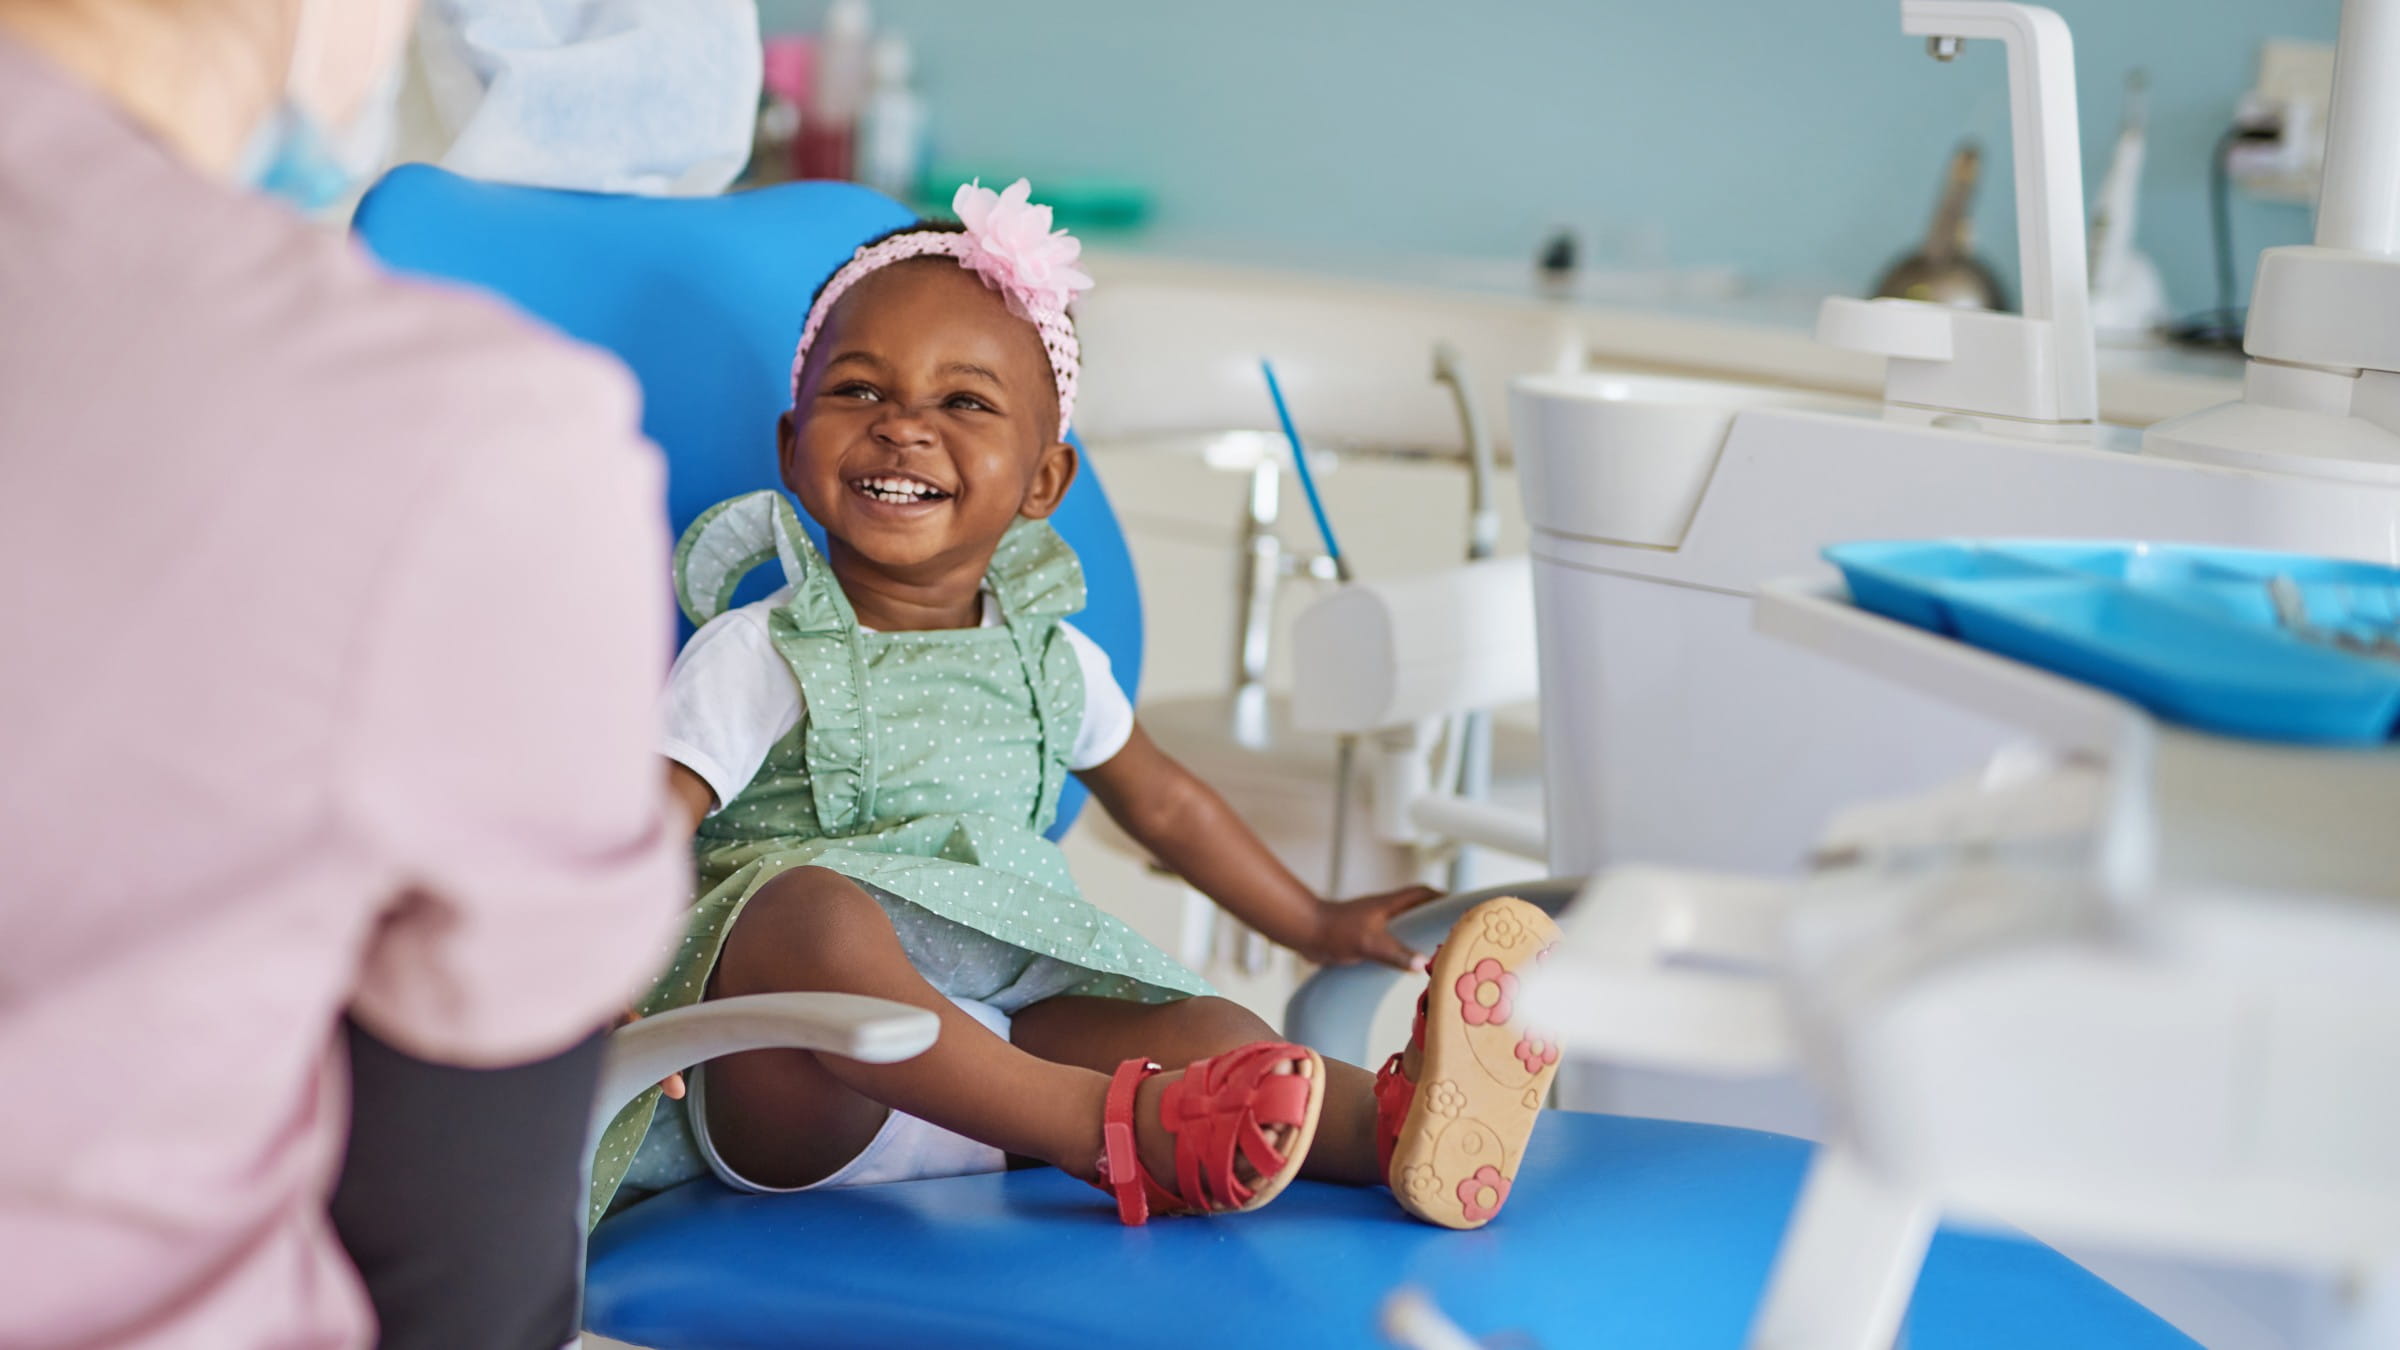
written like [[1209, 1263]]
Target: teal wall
[[1798, 139]]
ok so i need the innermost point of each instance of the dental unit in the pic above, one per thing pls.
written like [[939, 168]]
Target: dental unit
[[1675, 734], [2057, 961]]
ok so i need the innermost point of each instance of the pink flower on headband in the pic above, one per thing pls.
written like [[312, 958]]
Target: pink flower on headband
[[1011, 246]]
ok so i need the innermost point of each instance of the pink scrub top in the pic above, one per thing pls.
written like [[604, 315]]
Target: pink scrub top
[[335, 611]]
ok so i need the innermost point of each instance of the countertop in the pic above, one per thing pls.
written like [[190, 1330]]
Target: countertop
[[1696, 321]]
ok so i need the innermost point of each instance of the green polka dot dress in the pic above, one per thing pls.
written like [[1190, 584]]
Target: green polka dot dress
[[926, 766]]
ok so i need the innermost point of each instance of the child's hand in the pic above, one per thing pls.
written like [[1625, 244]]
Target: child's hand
[[1350, 931]]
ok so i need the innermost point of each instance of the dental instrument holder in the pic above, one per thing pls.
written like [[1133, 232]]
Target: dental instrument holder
[[2035, 367], [2322, 391]]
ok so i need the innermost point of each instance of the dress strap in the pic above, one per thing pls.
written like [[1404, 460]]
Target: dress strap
[[815, 630], [1038, 581], [727, 542], [1035, 573]]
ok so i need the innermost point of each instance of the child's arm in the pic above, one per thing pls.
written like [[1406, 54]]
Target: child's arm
[[691, 793], [1189, 828]]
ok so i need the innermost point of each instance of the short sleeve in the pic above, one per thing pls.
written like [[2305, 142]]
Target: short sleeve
[[730, 698], [1107, 713], [501, 760]]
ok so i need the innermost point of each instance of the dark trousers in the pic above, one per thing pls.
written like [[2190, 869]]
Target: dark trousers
[[461, 1198]]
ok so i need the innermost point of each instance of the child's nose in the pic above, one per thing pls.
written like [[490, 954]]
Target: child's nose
[[900, 425]]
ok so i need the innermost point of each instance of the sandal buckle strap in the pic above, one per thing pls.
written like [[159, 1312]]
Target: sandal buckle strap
[[1121, 1159]]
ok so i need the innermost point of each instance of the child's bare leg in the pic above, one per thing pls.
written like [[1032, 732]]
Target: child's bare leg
[[1100, 1033], [788, 1118]]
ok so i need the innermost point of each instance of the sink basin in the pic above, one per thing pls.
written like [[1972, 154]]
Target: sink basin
[[1624, 458]]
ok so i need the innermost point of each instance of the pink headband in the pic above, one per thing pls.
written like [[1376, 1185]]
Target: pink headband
[[1009, 243]]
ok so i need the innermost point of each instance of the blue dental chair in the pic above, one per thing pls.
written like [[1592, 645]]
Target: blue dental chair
[[1624, 1232]]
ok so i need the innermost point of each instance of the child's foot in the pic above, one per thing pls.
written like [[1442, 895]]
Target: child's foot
[[1226, 1134], [1455, 1108], [1157, 1145]]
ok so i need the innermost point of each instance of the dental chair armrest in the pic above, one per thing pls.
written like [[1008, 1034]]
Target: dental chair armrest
[[871, 1030], [1331, 1010]]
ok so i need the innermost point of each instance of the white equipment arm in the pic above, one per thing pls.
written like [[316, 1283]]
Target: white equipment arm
[[870, 1030], [1671, 968]]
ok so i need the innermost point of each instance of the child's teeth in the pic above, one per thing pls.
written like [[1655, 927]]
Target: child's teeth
[[896, 489]]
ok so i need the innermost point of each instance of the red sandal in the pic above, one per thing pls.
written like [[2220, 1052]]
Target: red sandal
[[1220, 1108], [1450, 1148]]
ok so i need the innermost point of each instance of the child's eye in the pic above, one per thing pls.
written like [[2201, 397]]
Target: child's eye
[[969, 402], [854, 389]]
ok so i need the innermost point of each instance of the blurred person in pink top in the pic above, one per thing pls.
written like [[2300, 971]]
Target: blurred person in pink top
[[336, 607]]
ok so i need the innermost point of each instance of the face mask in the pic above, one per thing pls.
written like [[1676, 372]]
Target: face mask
[[293, 157]]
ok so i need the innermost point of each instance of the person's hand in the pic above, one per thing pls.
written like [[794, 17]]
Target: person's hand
[[1349, 931], [672, 1084]]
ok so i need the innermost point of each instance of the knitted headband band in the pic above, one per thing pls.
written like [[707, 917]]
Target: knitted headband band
[[1007, 242]]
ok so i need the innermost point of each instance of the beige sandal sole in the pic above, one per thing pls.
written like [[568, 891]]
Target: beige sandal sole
[[1296, 1152], [1480, 1082]]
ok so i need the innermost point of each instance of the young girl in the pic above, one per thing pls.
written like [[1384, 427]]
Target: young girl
[[872, 753]]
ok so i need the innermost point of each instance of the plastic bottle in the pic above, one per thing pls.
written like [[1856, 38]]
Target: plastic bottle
[[891, 128], [789, 64], [829, 127]]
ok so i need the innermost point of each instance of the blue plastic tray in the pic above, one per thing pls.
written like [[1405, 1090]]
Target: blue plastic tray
[[2188, 633]]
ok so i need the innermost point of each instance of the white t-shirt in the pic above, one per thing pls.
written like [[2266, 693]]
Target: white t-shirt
[[731, 697]]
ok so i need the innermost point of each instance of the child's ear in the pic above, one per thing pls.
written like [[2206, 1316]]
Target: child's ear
[[1053, 474], [787, 449]]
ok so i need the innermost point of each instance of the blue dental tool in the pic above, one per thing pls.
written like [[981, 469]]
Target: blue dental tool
[[1308, 481]]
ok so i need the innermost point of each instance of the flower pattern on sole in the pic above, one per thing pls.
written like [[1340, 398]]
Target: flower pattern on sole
[[1446, 1099], [1480, 1196], [1536, 1053], [1486, 994], [1502, 929]]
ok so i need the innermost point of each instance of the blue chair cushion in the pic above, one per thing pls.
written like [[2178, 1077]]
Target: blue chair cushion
[[702, 298], [1623, 1232]]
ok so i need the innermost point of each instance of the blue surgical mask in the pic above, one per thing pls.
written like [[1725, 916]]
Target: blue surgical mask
[[289, 158], [295, 158]]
